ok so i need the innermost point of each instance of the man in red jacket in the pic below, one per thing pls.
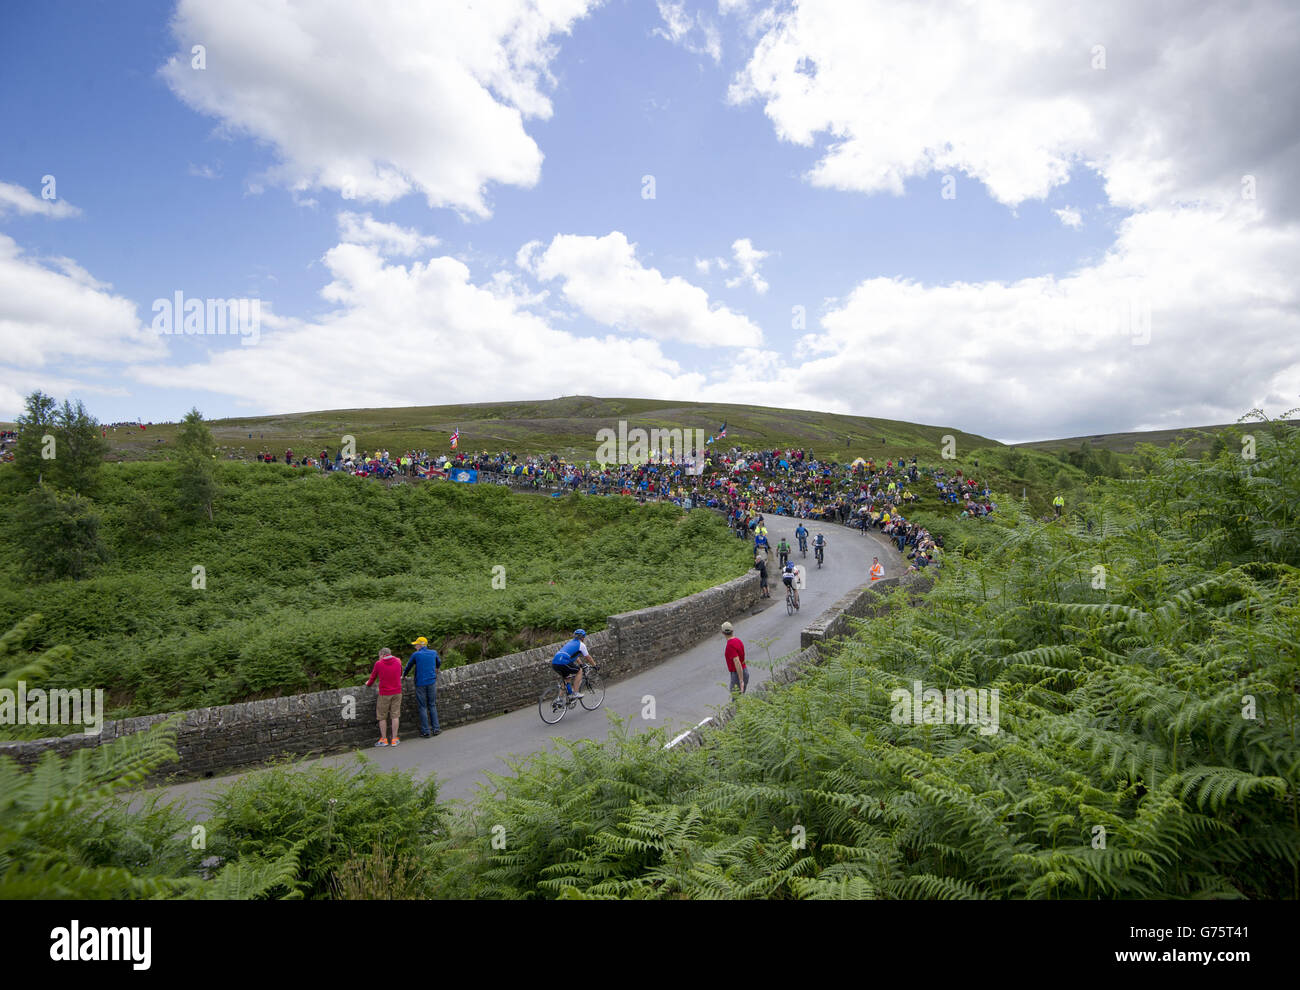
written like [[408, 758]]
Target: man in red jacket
[[735, 657], [388, 670]]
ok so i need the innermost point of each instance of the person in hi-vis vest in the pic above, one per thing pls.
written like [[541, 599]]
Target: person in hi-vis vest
[[877, 569]]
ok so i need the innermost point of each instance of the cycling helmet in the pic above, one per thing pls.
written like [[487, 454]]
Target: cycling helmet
[[580, 633]]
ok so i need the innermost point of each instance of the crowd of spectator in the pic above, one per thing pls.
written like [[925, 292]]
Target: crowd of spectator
[[743, 484]]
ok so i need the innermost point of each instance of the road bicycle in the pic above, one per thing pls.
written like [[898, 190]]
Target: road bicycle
[[820, 551], [790, 605], [803, 547], [555, 701]]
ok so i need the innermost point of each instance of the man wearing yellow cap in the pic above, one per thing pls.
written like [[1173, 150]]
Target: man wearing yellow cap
[[426, 663]]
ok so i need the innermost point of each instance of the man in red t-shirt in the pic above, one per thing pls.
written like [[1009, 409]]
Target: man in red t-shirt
[[735, 657], [388, 669]]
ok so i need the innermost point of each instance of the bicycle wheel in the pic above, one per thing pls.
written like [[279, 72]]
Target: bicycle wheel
[[789, 604], [552, 705], [593, 690]]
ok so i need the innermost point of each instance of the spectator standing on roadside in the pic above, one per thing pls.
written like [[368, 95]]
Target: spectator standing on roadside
[[388, 670], [426, 663], [734, 653], [760, 565]]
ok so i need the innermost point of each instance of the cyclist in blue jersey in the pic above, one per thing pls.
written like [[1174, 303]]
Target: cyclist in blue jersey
[[565, 663], [801, 534]]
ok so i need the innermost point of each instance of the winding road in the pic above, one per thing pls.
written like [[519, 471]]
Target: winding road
[[687, 688]]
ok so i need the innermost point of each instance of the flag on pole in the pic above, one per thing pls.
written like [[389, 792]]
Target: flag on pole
[[722, 433], [455, 438]]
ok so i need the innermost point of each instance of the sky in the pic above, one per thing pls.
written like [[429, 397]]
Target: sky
[[1023, 220]]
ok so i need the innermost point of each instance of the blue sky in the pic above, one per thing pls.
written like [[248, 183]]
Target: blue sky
[[799, 152]]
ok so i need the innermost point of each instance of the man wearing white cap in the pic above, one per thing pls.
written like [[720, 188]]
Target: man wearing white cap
[[735, 657]]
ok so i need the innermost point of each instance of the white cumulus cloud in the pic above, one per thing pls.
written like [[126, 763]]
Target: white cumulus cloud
[[693, 32], [379, 99], [748, 258], [58, 326], [423, 333], [604, 279], [1069, 216], [1010, 93], [389, 238], [16, 199]]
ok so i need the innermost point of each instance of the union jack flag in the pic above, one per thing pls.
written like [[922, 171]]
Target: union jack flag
[[722, 432], [455, 438]]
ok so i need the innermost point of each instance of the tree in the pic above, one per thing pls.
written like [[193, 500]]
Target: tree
[[60, 446], [198, 483], [80, 451], [36, 430], [58, 534]]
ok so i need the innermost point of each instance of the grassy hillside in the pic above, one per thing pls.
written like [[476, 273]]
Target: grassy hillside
[[308, 575], [1198, 438], [565, 426], [568, 426]]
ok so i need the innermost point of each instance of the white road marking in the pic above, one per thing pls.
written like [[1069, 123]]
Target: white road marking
[[670, 745]]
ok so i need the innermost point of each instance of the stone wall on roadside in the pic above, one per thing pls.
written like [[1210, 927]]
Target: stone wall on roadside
[[211, 741], [861, 603]]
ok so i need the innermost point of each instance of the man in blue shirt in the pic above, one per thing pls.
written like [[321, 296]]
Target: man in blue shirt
[[566, 663], [426, 663]]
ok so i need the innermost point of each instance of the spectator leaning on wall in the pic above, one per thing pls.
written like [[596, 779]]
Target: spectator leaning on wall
[[426, 663], [388, 669]]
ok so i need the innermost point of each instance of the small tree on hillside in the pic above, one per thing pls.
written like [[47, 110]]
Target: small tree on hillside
[[58, 534], [35, 425], [80, 452], [198, 483]]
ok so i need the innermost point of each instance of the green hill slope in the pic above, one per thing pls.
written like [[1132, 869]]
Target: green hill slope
[[567, 426]]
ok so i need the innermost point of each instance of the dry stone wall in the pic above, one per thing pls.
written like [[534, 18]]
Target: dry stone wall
[[212, 741]]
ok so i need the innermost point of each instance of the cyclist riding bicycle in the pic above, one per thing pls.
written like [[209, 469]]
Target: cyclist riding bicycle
[[783, 551], [801, 534], [790, 578], [819, 546], [565, 663]]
